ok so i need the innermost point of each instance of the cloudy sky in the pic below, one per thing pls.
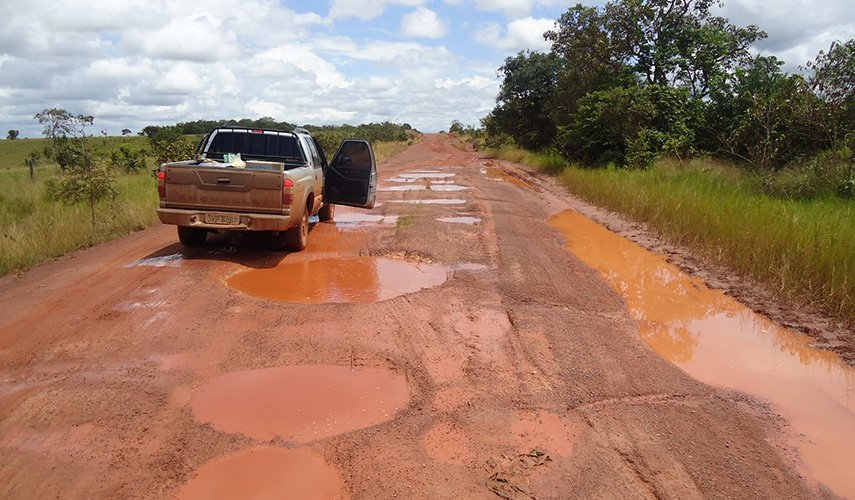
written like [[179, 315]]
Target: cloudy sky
[[131, 63]]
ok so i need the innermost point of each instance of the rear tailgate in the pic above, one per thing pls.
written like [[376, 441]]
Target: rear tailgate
[[226, 189]]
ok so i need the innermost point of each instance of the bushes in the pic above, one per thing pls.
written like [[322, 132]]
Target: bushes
[[630, 126]]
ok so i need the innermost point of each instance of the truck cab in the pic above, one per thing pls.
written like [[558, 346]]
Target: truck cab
[[263, 180]]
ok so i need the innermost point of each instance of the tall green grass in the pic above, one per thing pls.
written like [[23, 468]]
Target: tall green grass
[[13, 153], [803, 250], [35, 229]]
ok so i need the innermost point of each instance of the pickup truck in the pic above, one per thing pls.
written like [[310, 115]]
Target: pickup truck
[[279, 180]]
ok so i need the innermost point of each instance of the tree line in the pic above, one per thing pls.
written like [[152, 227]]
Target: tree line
[[633, 80]]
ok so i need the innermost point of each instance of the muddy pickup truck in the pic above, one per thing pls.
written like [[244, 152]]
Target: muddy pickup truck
[[263, 180]]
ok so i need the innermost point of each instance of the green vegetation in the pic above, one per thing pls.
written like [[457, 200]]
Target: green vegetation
[[36, 228]]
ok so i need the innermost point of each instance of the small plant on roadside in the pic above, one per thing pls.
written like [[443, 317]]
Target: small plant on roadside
[[83, 178], [169, 144], [129, 159]]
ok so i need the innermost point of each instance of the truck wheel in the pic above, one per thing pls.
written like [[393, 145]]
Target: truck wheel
[[326, 213], [192, 236], [297, 237]]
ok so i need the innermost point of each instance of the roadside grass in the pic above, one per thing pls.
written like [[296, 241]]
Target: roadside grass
[[34, 229], [803, 250], [385, 150]]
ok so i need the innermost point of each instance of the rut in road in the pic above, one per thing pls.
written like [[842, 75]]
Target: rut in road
[[525, 373]]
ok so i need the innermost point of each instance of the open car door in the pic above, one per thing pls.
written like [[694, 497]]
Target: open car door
[[351, 177]]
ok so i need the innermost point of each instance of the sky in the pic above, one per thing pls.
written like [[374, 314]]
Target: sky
[[132, 63]]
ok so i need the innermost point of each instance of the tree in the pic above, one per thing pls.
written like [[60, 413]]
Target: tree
[[833, 80], [83, 178], [169, 144], [12, 135], [456, 127], [126, 131], [30, 162], [523, 104], [766, 118]]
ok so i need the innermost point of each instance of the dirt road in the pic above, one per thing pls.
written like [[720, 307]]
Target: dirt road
[[398, 356]]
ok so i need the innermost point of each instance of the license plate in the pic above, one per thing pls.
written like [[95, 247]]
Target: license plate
[[222, 219]]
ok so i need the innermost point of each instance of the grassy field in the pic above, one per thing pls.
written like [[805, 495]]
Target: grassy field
[[803, 250], [34, 229], [13, 153]]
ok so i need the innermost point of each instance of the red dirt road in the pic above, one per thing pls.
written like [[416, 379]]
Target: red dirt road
[[106, 358]]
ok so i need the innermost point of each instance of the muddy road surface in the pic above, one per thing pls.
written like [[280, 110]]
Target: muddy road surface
[[443, 345]]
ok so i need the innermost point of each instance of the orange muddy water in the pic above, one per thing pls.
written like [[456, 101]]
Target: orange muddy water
[[265, 473], [338, 280], [497, 174], [721, 342], [299, 403]]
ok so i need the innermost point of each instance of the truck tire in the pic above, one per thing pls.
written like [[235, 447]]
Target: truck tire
[[297, 237], [326, 213], [192, 236]]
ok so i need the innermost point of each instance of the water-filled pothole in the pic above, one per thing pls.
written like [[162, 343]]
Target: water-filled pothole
[[409, 187], [265, 473], [721, 342], [437, 201], [338, 280], [447, 187], [460, 220], [299, 403], [497, 174], [425, 175]]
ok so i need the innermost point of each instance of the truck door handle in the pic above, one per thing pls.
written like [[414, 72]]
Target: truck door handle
[[224, 180]]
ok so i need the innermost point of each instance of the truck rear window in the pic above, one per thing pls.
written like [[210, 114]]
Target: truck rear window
[[255, 146]]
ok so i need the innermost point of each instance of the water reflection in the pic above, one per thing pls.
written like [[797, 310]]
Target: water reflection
[[721, 342]]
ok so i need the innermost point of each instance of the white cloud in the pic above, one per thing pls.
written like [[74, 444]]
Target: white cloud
[[422, 23], [520, 34], [366, 9], [515, 8], [797, 29]]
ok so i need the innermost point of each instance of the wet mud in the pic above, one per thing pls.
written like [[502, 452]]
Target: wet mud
[[299, 403], [338, 280], [721, 342], [265, 473]]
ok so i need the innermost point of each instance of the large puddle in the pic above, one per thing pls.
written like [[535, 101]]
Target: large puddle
[[299, 403], [721, 342], [265, 473], [338, 280]]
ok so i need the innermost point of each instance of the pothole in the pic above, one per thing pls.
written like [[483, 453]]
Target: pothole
[[265, 472], [438, 201], [300, 403], [719, 341], [460, 220], [409, 187], [448, 187], [351, 219], [338, 280], [425, 175]]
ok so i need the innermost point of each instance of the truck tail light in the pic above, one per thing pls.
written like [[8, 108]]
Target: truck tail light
[[287, 192], [161, 184]]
